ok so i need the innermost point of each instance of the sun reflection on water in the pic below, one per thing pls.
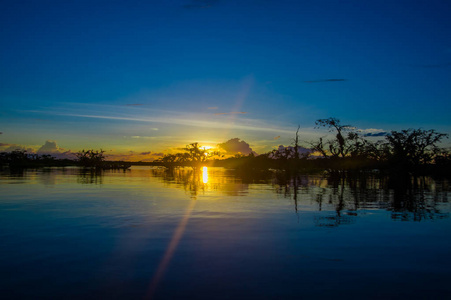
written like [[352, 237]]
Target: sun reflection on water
[[205, 175]]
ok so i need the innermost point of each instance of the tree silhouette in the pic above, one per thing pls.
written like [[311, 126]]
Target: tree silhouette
[[91, 158], [193, 156], [296, 143], [343, 144], [196, 153], [413, 147]]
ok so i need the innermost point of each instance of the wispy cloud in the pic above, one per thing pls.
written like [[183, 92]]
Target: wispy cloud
[[143, 137], [383, 133], [167, 117], [277, 137], [373, 132], [133, 156], [134, 104], [231, 113], [326, 80]]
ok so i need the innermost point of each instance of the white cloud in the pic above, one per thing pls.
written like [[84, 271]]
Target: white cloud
[[371, 130], [51, 148], [48, 148], [234, 146]]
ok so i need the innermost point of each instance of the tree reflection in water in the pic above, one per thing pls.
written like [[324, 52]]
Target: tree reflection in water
[[408, 198], [190, 179], [90, 176], [197, 181], [341, 197]]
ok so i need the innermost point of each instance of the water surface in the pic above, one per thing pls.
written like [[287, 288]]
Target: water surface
[[218, 234]]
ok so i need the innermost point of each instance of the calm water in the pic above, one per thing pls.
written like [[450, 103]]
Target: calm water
[[214, 234]]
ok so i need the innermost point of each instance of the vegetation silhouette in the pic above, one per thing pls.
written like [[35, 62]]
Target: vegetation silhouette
[[20, 159], [343, 145], [413, 151], [193, 156], [410, 151], [94, 159]]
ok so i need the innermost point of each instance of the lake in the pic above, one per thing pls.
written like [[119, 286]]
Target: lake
[[150, 233]]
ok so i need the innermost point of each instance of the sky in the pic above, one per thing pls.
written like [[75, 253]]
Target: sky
[[142, 78]]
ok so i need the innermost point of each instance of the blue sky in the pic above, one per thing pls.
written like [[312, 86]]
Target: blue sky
[[154, 75]]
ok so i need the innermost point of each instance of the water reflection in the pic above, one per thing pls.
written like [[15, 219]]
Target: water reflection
[[201, 181], [347, 195], [341, 197], [205, 175], [171, 233]]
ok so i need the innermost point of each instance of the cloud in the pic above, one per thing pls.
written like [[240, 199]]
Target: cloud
[[231, 113], [277, 137], [134, 104], [48, 147], [214, 107], [235, 146], [326, 80], [143, 137], [174, 118], [51, 148], [383, 133], [195, 4], [133, 156], [373, 132]]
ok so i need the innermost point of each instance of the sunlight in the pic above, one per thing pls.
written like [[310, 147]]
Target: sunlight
[[205, 175]]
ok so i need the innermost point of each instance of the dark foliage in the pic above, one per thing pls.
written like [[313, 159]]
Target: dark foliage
[[95, 159], [19, 159], [408, 151], [414, 151]]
